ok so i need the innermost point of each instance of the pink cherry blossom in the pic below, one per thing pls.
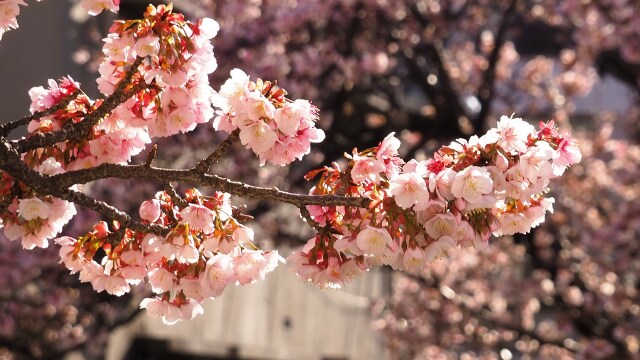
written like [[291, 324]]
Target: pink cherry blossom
[[72, 261], [471, 184], [438, 248], [180, 247], [351, 270], [242, 234], [199, 217], [258, 136], [441, 225], [193, 289], [513, 133], [218, 274], [150, 210], [373, 241], [511, 223], [208, 28], [147, 46], [95, 7], [161, 280], [410, 189], [249, 266], [366, 168], [33, 208], [157, 307], [414, 259], [90, 271], [190, 309], [114, 285], [568, 153]]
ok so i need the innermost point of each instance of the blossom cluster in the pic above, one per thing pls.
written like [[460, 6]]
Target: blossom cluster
[[155, 81], [31, 217], [278, 130], [206, 250], [419, 210], [177, 57], [174, 97], [28, 216]]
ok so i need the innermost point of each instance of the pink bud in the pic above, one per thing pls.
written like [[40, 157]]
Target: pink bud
[[101, 229], [150, 210], [502, 163], [460, 204]]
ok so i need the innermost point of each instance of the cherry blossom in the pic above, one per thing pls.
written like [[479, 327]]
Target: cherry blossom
[[373, 210], [277, 130], [95, 7], [433, 207], [471, 184]]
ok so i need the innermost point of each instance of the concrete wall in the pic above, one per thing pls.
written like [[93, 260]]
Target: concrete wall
[[280, 318], [39, 50]]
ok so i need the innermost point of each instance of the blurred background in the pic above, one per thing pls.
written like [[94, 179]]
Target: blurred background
[[431, 71]]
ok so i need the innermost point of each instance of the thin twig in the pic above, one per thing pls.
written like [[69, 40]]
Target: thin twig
[[345, 181], [204, 165], [175, 198], [307, 216], [152, 155], [5, 129]]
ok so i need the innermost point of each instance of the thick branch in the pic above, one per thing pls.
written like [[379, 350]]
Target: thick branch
[[42, 184], [5, 129], [194, 177], [82, 128], [58, 186]]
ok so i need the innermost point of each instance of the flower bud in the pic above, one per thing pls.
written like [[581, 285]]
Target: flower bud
[[150, 210], [502, 162]]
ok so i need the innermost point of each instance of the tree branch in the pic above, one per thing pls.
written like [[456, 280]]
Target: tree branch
[[43, 184], [307, 216], [58, 186], [193, 176], [5, 129], [175, 198], [80, 129], [204, 165]]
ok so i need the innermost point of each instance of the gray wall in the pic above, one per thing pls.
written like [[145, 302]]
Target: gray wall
[[40, 49]]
